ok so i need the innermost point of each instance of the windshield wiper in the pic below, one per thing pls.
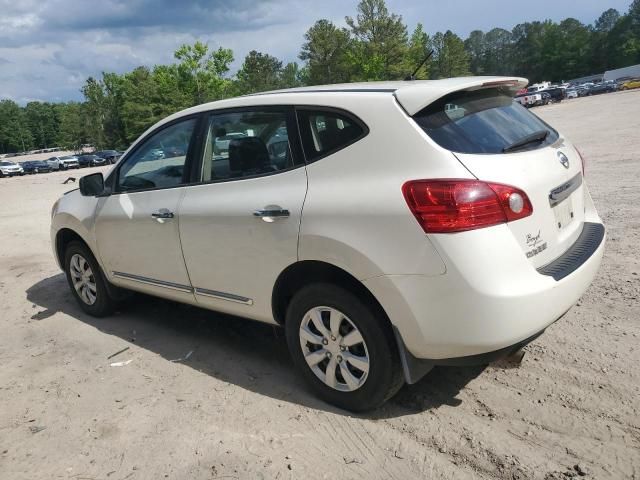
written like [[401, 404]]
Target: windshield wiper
[[538, 136]]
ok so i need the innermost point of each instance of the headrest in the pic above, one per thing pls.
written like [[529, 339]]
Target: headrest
[[247, 155]]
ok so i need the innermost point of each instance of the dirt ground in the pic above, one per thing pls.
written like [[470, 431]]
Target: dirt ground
[[235, 408]]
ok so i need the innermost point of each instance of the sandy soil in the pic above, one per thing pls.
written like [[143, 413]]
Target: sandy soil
[[235, 408]]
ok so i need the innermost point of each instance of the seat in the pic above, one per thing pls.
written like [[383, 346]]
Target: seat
[[248, 156], [333, 137]]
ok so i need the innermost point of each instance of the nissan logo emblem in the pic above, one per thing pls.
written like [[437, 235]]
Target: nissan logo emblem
[[563, 159]]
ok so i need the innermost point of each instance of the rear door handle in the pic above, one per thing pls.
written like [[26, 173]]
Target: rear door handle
[[271, 213], [164, 213]]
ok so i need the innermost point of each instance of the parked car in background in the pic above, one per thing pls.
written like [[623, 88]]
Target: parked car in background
[[572, 93], [63, 163], [10, 169], [604, 87], [35, 166], [91, 161], [475, 239], [111, 156], [583, 91], [221, 144], [631, 84], [532, 99], [556, 94]]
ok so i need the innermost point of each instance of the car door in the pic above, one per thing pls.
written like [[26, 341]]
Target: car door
[[239, 227], [137, 224]]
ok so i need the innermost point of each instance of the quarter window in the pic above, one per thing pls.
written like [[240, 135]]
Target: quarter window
[[159, 161], [326, 132], [245, 144]]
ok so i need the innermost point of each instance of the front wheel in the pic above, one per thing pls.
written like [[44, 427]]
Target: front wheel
[[87, 281], [343, 347]]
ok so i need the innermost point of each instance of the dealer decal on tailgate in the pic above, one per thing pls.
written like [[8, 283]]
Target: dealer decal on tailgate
[[536, 242]]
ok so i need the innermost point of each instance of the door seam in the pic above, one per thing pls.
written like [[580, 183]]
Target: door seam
[[184, 260]]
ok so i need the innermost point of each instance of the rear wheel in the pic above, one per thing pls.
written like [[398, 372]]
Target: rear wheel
[[342, 347], [87, 281]]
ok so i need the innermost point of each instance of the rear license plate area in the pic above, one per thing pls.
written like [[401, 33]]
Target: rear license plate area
[[564, 214]]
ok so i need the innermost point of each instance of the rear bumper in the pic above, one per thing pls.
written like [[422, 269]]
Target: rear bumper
[[489, 299]]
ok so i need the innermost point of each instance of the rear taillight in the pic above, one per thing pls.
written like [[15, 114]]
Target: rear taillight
[[447, 206], [582, 160]]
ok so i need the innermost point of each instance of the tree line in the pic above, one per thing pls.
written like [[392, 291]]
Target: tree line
[[375, 45]]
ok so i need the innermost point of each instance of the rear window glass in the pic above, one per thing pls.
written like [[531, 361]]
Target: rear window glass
[[326, 132], [484, 121]]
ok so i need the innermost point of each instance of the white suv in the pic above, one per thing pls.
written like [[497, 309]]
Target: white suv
[[389, 227], [9, 169], [63, 163]]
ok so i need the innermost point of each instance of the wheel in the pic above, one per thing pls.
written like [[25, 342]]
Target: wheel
[[87, 281], [342, 347]]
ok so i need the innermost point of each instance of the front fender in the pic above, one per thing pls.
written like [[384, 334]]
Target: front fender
[[76, 213]]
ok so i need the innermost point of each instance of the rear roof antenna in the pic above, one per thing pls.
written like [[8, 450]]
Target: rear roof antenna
[[412, 77]]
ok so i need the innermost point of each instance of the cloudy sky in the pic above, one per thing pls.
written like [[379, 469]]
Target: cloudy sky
[[49, 47]]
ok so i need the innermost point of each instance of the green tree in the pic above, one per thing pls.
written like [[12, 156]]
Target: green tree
[[498, 58], [326, 50], [449, 56], [72, 132], [607, 20], [95, 104], [259, 72], [419, 46], [600, 45], [528, 49], [380, 42], [142, 106], [476, 47], [15, 135], [43, 123], [631, 46], [570, 51], [291, 76], [203, 72]]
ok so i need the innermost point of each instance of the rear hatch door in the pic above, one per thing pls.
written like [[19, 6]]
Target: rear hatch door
[[487, 131], [556, 193]]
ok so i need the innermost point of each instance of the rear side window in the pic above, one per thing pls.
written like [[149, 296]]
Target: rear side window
[[326, 132], [483, 121]]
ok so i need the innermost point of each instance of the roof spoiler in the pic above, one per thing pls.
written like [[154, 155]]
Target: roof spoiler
[[417, 95]]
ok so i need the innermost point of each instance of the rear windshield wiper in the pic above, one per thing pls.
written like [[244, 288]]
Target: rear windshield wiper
[[538, 136]]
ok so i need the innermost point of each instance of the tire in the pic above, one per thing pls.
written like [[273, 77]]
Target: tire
[[99, 303], [365, 390]]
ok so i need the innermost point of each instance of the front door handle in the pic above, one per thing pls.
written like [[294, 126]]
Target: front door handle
[[279, 213], [161, 214]]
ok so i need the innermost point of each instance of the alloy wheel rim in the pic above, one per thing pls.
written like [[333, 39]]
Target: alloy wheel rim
[[334, 349], [83, 279]]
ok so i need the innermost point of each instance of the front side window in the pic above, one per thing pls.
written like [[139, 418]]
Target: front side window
[[159, 161], [326, 132], [483, 121], [245, 144]]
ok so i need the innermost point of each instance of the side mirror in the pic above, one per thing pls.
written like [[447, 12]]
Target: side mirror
[[92, 185]]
